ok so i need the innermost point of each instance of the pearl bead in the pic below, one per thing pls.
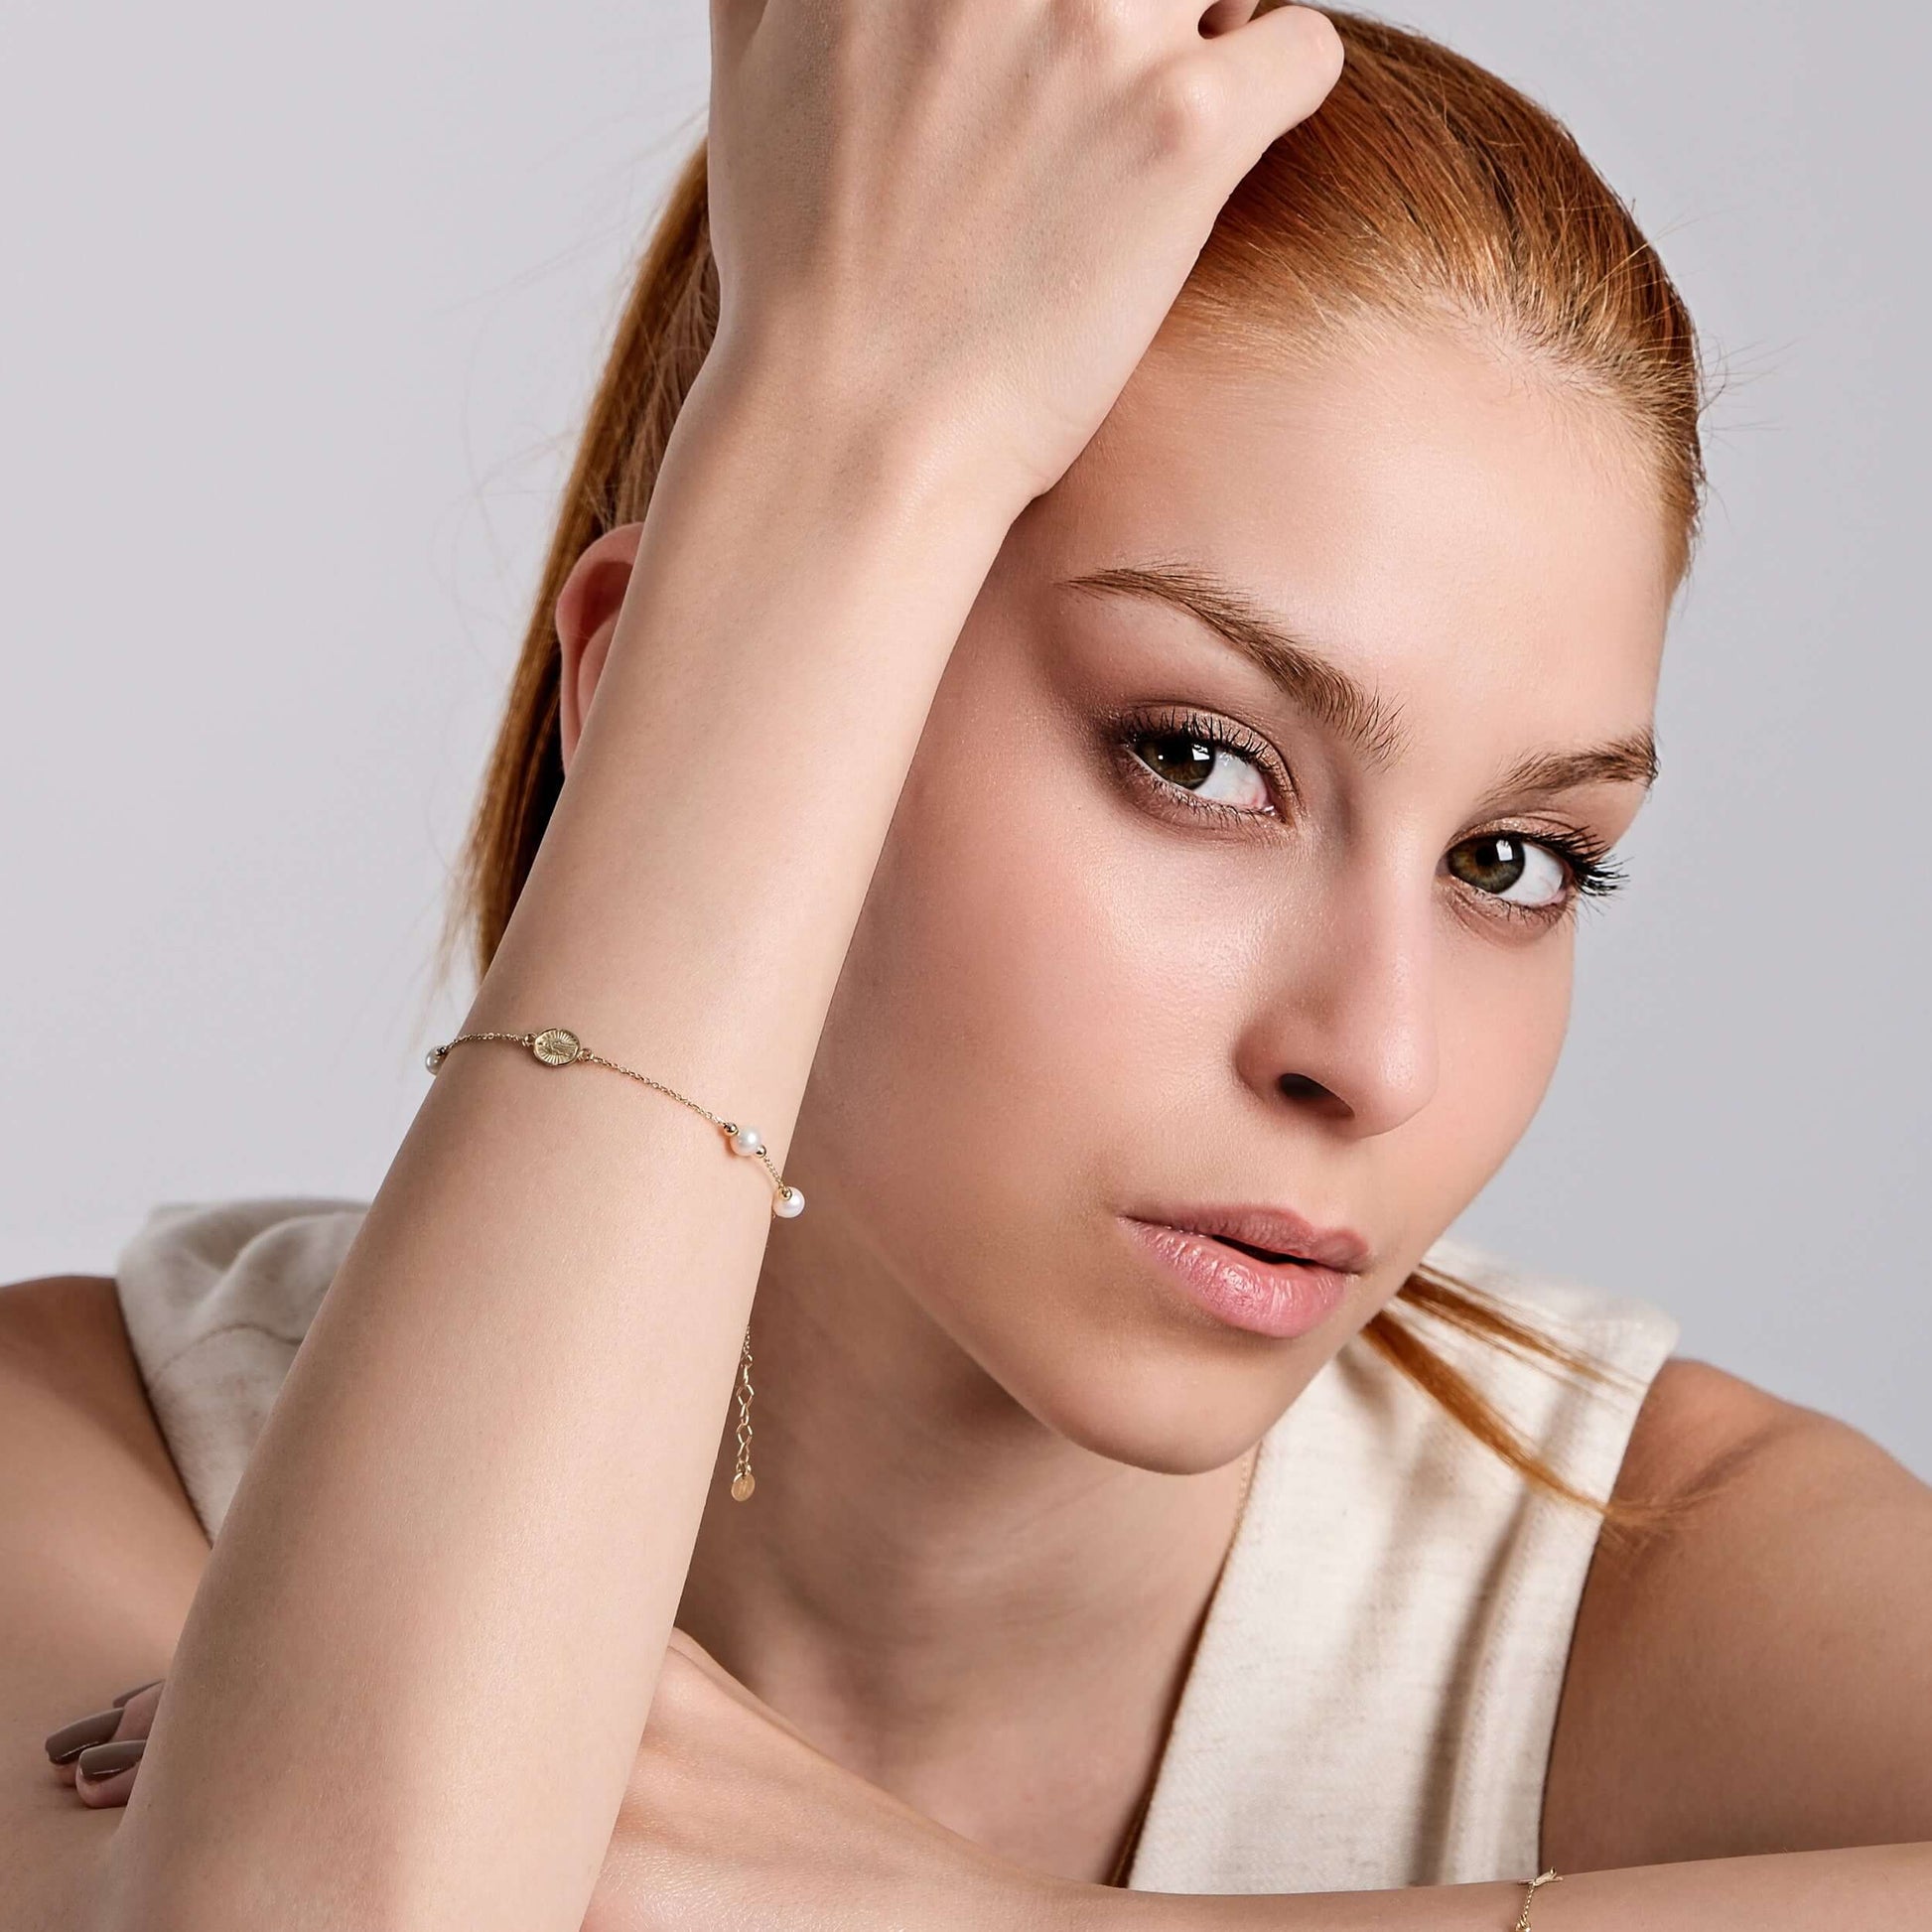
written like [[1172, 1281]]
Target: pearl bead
[[786, 1202], [748, 1139]]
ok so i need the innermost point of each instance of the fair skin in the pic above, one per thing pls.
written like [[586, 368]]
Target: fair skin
[[844, 824], [854, 1625]]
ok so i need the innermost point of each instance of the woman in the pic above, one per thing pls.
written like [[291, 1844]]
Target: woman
[[1097, 650]]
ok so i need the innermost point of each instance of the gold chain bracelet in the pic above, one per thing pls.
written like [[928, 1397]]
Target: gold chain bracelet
[[1547, 1878], [559, 1047]]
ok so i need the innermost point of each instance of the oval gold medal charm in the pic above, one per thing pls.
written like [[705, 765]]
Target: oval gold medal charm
[[556, 1046]]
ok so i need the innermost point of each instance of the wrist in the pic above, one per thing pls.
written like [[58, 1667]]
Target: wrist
[[864, 449]]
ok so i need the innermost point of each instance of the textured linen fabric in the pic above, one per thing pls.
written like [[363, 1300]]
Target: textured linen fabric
[[1375, 1690]]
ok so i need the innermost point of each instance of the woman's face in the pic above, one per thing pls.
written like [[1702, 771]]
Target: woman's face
[[1170, 923]]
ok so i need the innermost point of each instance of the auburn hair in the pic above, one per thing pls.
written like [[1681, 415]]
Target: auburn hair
[[1424, 190]]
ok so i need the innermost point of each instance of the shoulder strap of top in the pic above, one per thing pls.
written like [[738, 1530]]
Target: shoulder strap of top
[[1374, 1693], [217, 1297]]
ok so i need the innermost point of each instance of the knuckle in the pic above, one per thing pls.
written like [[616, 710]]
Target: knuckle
[[1321, 50], [1327, 52], [1186, 106]]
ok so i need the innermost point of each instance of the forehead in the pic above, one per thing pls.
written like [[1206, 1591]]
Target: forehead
[[1456, 533]]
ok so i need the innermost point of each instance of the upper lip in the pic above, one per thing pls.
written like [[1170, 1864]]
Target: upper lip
[[1278, 1230]]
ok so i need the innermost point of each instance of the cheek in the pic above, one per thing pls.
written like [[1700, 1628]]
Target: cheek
[[1504, 1014], [986, 985], [1014, 1004]]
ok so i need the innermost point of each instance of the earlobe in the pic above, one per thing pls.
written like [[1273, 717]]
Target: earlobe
[[587, 620]]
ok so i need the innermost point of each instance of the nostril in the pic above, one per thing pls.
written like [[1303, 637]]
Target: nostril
[[1303, 1086]]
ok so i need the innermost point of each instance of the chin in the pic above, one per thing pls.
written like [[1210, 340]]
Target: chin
[[1175, 1407]]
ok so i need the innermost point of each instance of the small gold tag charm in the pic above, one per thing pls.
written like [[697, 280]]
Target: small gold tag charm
[[556, 1046]]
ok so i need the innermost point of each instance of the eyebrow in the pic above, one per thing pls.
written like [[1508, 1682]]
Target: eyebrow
[[1328, 695], [1336, 700], [1628, 761]]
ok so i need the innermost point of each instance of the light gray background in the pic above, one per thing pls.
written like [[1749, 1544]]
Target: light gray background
[[303, 308]]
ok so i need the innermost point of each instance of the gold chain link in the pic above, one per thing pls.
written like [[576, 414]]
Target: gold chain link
[[743, 1480], [1546, 1878], [559, 1047]]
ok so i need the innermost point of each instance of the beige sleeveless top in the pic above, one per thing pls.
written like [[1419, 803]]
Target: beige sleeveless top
[[1373, 1700]]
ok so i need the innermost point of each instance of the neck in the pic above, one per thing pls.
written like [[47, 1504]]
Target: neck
[[925, 1568]]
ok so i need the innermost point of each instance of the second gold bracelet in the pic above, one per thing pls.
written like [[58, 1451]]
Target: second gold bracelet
[[559, 1047]]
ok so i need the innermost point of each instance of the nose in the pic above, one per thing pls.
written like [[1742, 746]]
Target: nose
[[1343, 1027]]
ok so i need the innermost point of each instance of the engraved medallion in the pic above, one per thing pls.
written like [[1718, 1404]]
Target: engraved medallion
[[556, 1046]]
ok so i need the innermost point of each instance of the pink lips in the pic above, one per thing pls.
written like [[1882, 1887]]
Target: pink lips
[[1292, 1286]]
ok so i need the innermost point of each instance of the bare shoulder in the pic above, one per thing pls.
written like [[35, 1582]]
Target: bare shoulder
[[83, 1464], [62, 1342], [100, 1554], [1697, 1423], [1750, 1670]]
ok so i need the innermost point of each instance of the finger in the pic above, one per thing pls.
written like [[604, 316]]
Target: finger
[[130, 1715], [1278, 67], [65, 1746], [106, 1772], [137, 1714]]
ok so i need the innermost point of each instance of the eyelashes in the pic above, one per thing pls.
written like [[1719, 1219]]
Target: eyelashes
[[1541, 875], [1213, 769], [1197, 757]]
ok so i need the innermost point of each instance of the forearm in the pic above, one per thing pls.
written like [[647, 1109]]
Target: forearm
[[413, 1679], [1799, 1891]]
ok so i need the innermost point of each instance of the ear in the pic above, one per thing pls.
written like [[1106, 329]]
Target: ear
[[587, 620]]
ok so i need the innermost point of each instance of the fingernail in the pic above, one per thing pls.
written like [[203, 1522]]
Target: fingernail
[[71, 1741], [136, 1691], [100, 1761]]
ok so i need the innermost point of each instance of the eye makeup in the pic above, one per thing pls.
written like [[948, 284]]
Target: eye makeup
[[1194, 766]]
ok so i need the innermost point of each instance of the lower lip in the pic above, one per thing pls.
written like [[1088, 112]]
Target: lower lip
[[1281, 1299]]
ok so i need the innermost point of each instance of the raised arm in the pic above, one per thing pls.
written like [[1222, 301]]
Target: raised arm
[[489, 1460], [487, 1463]]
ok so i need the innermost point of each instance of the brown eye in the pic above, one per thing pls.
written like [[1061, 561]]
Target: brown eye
[[1204, 768], [1181, 759], [1509, 867]]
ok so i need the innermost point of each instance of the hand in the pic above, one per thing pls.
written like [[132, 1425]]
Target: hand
[[977, 216], [98, 1755], [732, 1819]]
